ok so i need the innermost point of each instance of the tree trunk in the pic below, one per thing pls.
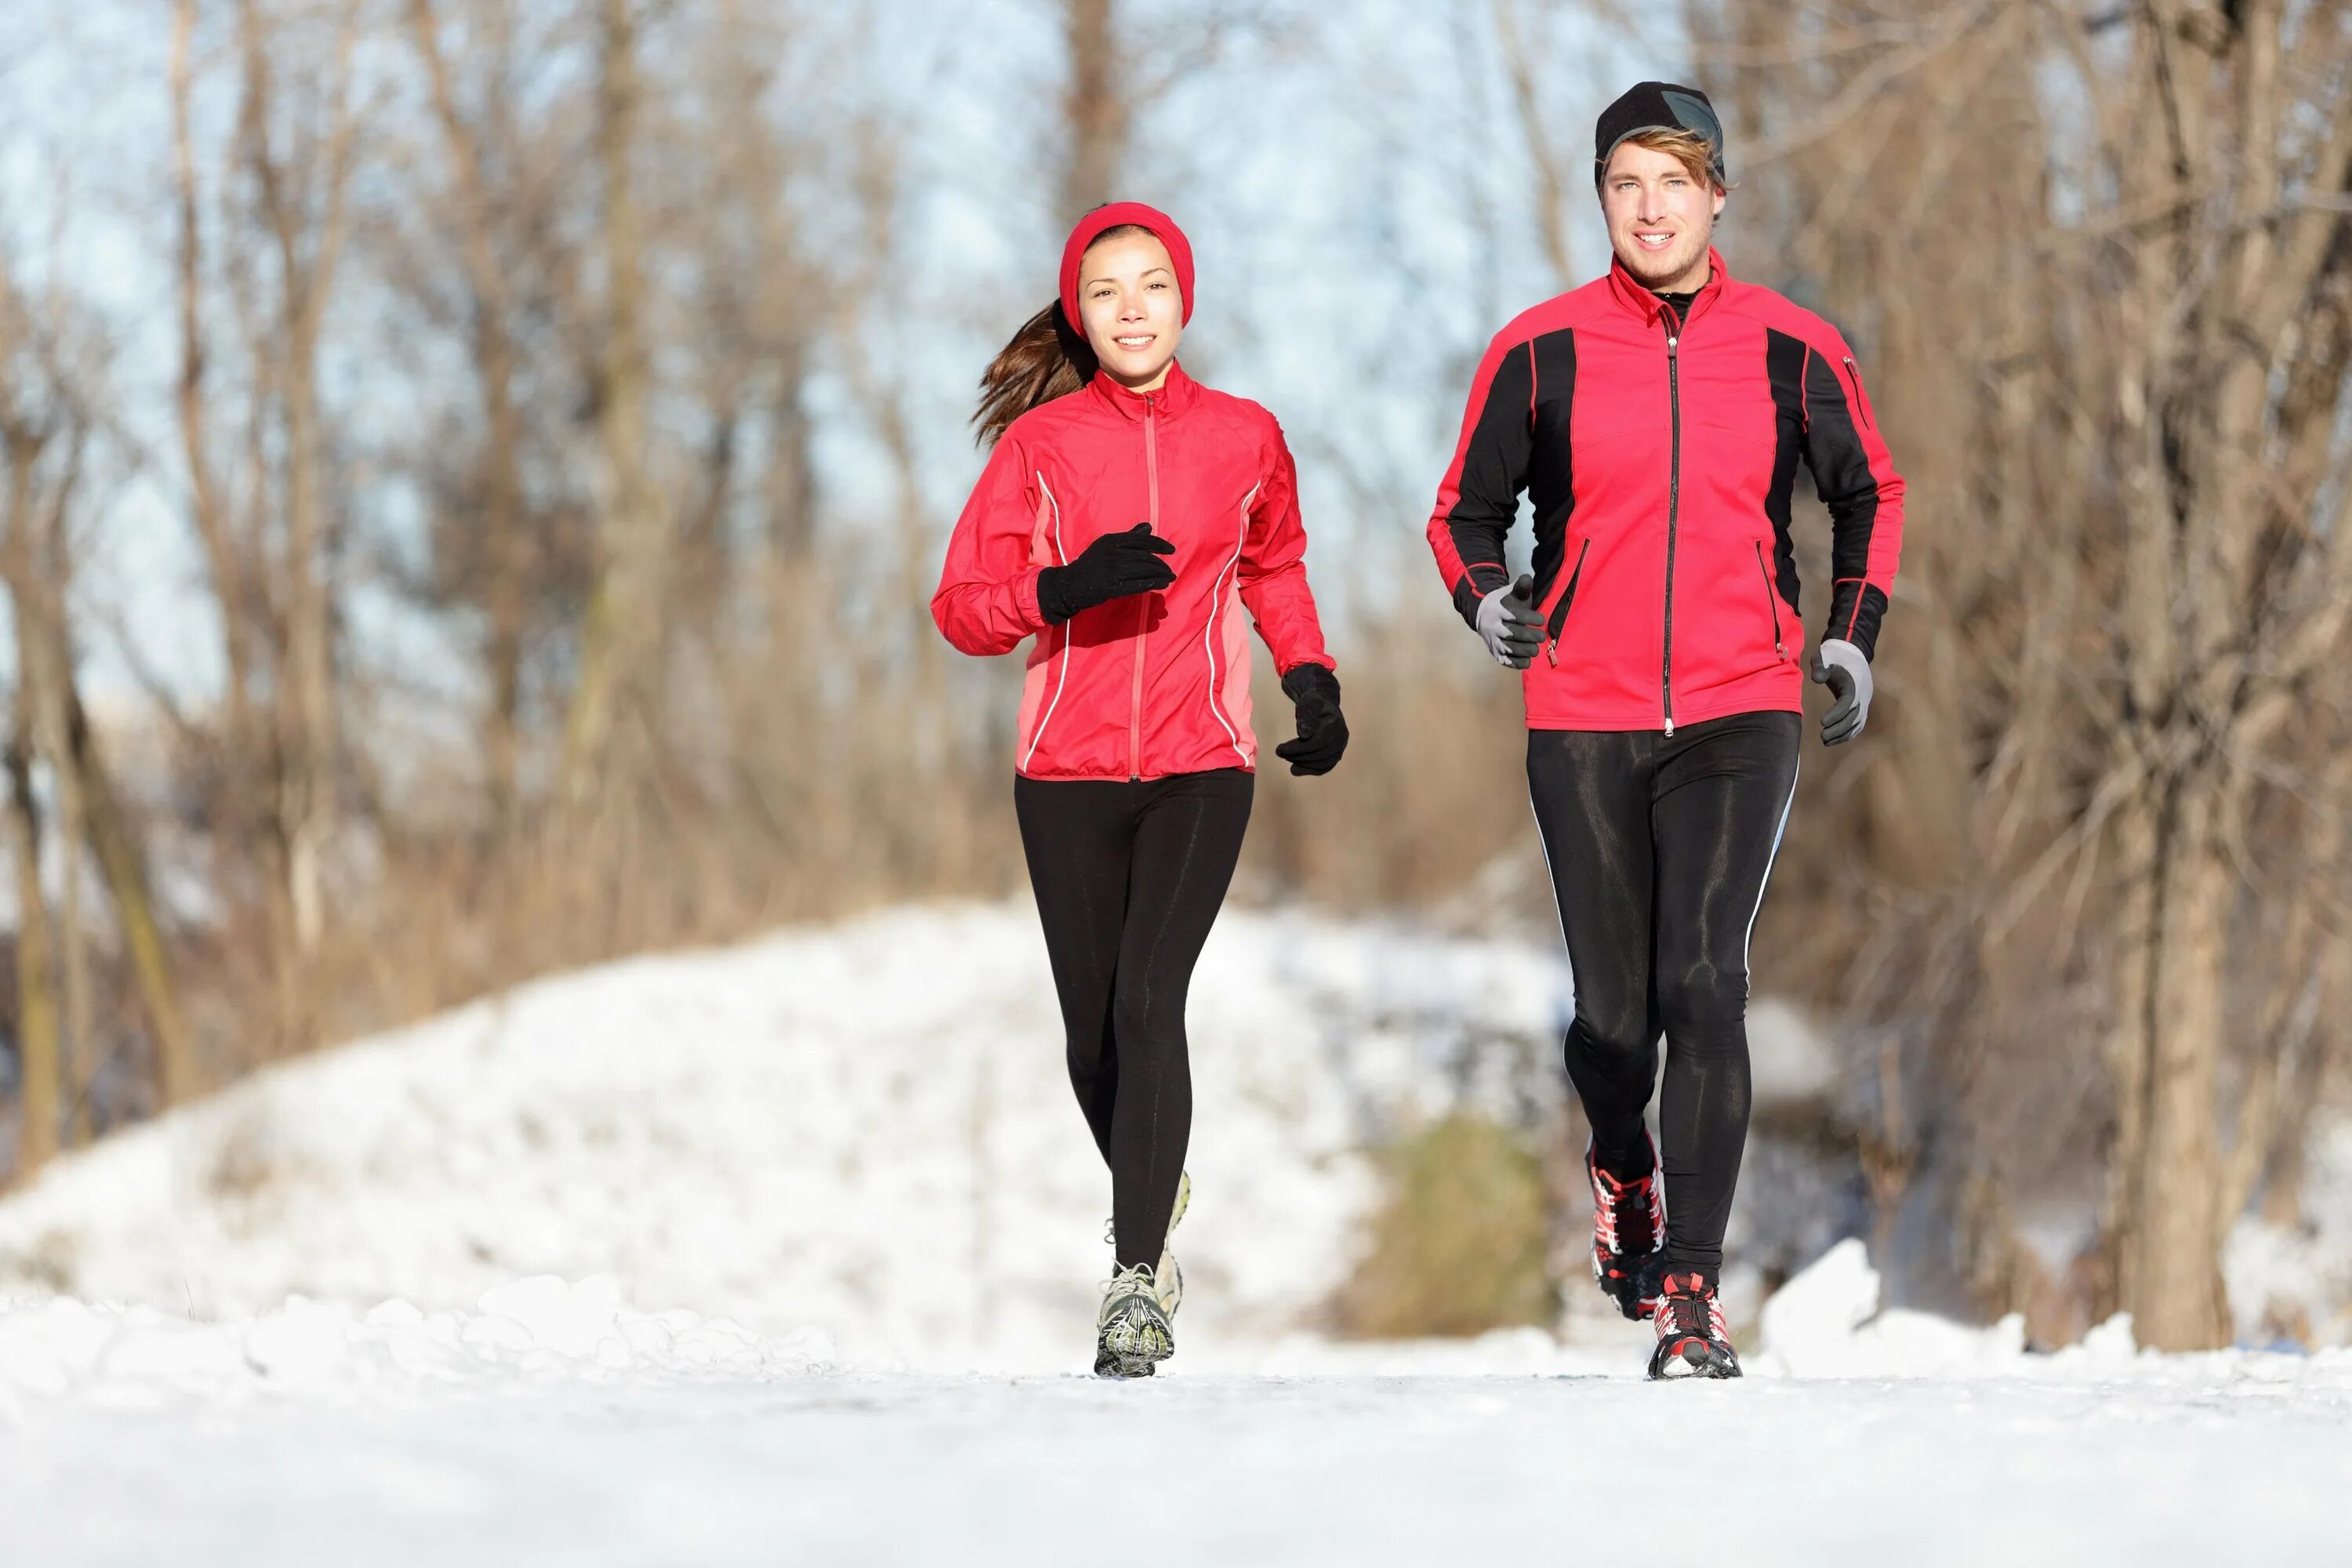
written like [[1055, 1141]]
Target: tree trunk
[[37, 1006], [608, 737], [2169, 1156], [124, 866], [509, 550], [1093, 105]]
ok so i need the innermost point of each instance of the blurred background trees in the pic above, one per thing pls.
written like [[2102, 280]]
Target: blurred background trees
[[472, 472]]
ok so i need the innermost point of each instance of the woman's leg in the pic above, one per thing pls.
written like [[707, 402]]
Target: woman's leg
[[1188, 837], [1079, 836], [1724, 789]]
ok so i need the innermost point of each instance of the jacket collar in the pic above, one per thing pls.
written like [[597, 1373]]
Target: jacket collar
[[1634, 296], [1176, 394]]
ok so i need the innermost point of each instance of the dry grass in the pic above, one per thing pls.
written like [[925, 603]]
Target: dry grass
[[1460, 1245]]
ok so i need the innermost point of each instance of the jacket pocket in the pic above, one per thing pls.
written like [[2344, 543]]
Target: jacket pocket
[[1558, 620], [1771, 602]]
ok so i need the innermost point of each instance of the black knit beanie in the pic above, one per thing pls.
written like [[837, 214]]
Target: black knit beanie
[[1657, 105]]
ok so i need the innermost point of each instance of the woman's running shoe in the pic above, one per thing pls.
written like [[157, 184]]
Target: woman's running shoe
[[1169, 1276], [1132, 1335], [1693, 1341], [1628, 1223]]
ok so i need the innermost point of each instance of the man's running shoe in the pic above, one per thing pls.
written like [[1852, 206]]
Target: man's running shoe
[[1628, 1221], [1131, 1333], [1171, 1277], [1693, 1341]]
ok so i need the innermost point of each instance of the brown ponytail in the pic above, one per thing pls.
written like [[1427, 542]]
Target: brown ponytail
[[1046, 358]]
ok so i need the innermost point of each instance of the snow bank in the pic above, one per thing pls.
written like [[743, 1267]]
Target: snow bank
[[864, 1127], [1827, 1323], [533, 1332]]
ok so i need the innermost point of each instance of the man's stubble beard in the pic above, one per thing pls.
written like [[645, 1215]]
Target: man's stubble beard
[[1648, 271]]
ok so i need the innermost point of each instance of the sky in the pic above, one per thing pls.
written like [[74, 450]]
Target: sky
[[1354, 179]]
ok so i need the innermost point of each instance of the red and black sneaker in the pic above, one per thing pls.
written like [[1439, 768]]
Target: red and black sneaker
[[1628, 1219], [1693, 1341]]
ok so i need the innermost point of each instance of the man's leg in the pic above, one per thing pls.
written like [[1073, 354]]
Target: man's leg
[[1723, 792], [1591, 796]]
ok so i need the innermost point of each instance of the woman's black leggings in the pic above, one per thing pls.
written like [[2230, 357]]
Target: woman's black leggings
[[1128, 879], [1659, 848]]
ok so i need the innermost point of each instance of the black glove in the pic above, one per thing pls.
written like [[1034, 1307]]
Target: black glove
[[1322, 730], [1112, 567]]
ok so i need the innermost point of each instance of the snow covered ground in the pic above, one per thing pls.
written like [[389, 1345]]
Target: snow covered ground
[[553, 1427], [785, 1255]]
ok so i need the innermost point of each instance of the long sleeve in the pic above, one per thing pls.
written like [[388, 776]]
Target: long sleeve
[[1479, 497], [987, 598], [1273, 570], [1855, 475]]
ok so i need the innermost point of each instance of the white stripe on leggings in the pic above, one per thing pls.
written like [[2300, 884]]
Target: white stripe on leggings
[[1778, 834]]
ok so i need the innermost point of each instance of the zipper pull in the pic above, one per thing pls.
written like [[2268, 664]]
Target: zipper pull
[[1670, 728], [1551, 652]]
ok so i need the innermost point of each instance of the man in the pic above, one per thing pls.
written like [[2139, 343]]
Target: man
[[1656, 417]]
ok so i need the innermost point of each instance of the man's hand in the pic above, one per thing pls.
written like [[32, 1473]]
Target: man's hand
[[1509, 623], [1840, 665]]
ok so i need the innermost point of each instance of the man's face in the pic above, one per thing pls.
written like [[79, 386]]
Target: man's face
[[1660, 220]]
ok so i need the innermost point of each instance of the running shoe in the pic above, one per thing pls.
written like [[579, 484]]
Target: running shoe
[[1132, 1335], [1693, 1341], [1628, 1223]]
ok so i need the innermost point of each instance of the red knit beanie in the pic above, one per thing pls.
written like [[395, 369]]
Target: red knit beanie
[[1091, 227]]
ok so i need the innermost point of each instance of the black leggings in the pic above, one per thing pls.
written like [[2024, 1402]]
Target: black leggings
[[1659, 848], [1128, 879]]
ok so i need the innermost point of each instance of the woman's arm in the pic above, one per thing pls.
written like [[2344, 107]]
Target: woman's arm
[[1273, 572], [987, 598]]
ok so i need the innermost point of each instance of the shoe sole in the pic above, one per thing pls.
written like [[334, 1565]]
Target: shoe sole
[[1694, 1360], [1114, 1371], [1132, 1346]]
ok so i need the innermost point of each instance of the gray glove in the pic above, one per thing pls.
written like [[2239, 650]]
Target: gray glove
[[1509, 623], [1840, 665]]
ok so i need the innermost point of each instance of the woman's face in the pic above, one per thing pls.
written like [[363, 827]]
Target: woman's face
[[1133, 312]]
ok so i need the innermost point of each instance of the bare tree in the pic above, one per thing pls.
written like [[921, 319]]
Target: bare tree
[[609, 743]]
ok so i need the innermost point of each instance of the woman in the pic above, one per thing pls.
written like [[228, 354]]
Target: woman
[[1127, 516]]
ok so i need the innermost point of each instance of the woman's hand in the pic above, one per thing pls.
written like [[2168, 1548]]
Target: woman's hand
[[1322, 730], [1112, 567]]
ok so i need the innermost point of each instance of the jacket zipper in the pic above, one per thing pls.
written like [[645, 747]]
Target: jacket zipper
[[1855, 375], [1143, 601], [1772, 603], [1674, 511], [1560, 611]]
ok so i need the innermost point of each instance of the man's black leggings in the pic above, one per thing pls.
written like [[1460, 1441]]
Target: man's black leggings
[[1128, 879], [1659, 848]]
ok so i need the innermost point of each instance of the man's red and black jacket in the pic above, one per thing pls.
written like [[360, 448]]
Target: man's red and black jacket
[[1659, 456]]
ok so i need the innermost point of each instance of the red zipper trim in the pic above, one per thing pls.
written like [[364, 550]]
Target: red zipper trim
[[1143, 601]]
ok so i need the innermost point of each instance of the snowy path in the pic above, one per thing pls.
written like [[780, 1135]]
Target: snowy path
[[875, 1469]]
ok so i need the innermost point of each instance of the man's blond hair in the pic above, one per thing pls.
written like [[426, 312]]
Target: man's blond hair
[[1688, 148]]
